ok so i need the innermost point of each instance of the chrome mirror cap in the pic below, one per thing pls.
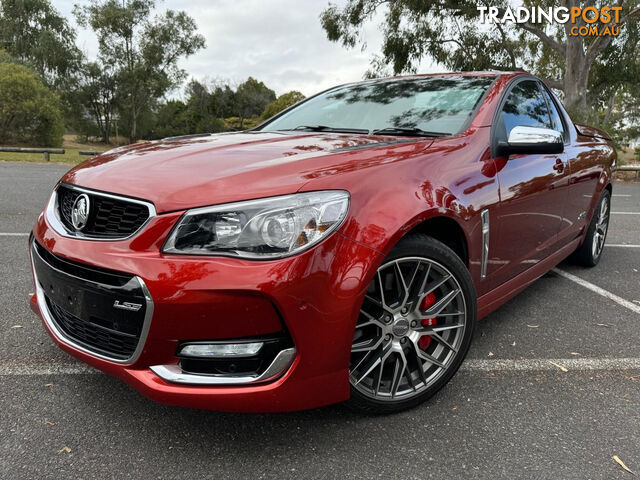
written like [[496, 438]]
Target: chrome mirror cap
[[531, 140], [534, 135]]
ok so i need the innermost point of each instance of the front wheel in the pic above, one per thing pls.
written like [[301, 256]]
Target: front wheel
[[590, 252], [414, 328]]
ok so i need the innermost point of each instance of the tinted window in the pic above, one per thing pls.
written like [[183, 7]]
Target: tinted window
[[556, 120], [525, 107], [436, 104]]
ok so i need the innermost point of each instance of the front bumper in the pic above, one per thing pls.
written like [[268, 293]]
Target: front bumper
[[316, 295]]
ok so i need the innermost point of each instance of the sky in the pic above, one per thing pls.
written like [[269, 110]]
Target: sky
[[279, 42]]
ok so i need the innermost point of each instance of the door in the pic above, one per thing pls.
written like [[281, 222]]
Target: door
[[533, 187], [584, 158], [580, 173]]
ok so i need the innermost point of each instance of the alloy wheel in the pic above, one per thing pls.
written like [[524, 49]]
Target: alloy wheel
[[602, 224], [410, 329]]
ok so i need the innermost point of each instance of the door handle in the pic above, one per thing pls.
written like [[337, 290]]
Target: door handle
[[559, 166]]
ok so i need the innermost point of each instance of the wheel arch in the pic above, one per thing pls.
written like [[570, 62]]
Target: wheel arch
[[444, 227], [604, 183]]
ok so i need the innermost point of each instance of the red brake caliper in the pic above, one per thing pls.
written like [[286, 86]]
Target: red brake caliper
[[425, 340]]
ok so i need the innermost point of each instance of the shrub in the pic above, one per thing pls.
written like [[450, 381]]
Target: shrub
[[237, 123], [30, 113]]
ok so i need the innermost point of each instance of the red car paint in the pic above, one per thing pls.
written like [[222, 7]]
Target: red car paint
[[538, 215]]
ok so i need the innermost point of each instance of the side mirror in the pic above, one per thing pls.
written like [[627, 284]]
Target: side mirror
[[532, 140]]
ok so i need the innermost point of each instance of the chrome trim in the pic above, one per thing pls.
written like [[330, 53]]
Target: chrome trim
[[46, 315], [521, 135], [484, 217], [53, 219], [174, 374]]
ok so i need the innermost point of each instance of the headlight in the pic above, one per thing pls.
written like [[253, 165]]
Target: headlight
[[265, 228]]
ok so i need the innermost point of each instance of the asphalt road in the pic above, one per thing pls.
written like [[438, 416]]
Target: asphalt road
[[511, 412]]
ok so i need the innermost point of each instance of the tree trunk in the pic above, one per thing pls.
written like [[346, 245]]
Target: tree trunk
[[610, 104], [107, 128], [98, 117], [134, 123], [576, 75]]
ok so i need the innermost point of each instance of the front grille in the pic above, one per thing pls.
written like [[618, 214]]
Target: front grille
[[82, 270], [109, 217], [81, 301], [101, 339]]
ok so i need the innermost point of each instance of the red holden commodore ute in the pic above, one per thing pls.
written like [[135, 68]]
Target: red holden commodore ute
[[341, 251]]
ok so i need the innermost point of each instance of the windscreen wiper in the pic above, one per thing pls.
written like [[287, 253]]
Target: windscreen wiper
[[325, 128], [408, 131]]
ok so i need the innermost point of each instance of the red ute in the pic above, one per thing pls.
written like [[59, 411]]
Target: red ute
[[343, 250]]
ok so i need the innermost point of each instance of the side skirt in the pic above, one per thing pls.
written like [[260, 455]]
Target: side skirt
[[490, 301]]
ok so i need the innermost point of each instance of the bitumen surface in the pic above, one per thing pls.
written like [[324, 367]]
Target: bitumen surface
[[550, 389]]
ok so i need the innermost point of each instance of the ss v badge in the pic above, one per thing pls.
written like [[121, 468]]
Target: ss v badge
[[132, 307]]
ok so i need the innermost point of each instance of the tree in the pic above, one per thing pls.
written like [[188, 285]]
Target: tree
[[450, 33], [252, 97], [223, 100], [5, 57], [614, 87], [211, 107], [200, 113], [34, 33], [172, 119], [96, 93], [143, 50], [283, 101], [202, 109], [30, 113]]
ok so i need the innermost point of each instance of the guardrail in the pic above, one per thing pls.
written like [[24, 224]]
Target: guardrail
[[89, 153], [629, 168], [46, 152]]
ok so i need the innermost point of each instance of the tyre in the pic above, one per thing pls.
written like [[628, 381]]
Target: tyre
[[414, 328], [590, 252]]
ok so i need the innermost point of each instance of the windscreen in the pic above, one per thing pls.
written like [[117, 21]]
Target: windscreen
[[434, 104]]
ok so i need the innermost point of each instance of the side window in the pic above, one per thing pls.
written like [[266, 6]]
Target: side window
[[556, 120], [525, 107]]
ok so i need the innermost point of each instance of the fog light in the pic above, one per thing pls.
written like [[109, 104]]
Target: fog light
[[220, 350]]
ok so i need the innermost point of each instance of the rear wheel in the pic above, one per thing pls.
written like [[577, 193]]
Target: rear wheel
[[414, 328], [590, 252]]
